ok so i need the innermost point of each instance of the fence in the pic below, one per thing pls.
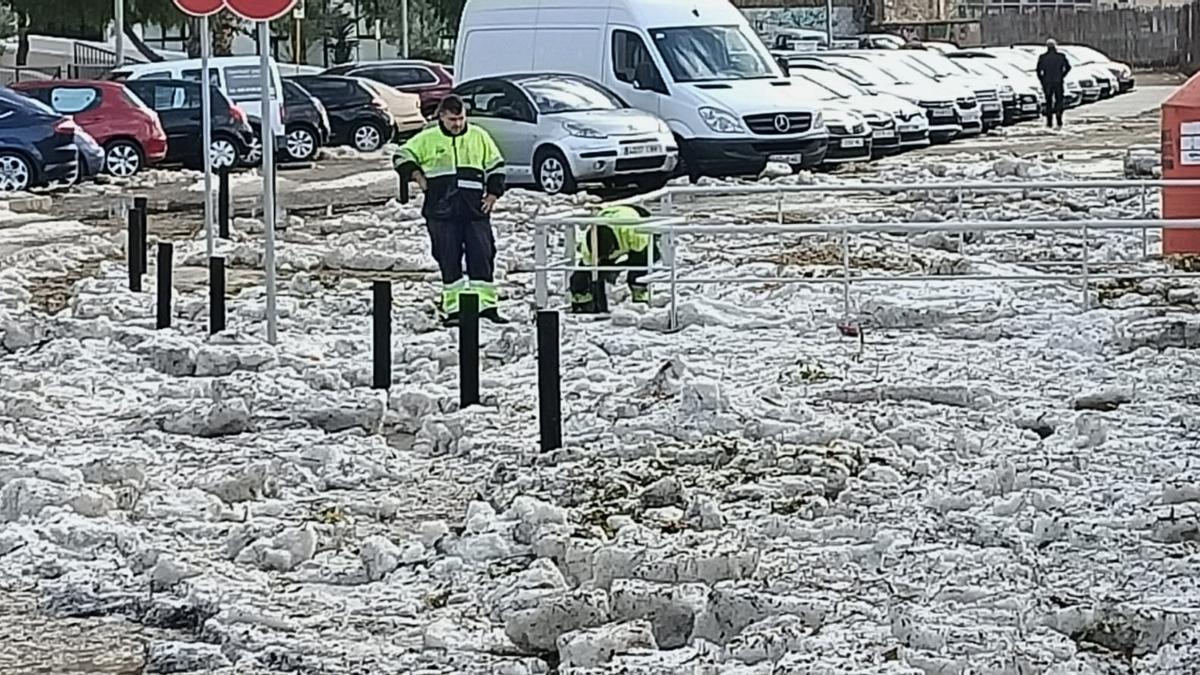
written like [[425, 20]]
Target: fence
[[12, 74], [1165, 37], [671, 229]]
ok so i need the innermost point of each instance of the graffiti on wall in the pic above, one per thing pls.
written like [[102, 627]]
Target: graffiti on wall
[[768, 20]]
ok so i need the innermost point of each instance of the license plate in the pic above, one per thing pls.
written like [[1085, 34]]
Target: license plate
[[885, 133], [1029, 107], [638, 150], [991, 106], [852, 142], [942, 113], [788, 159]]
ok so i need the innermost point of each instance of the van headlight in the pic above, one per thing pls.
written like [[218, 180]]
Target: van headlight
[[576, 129], [818, 120], [721, 122]]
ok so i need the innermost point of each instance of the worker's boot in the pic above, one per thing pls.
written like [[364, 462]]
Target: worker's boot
[[639, 294]]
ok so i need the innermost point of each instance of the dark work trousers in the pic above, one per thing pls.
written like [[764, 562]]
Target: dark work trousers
[[581, 281], [456, 239], [1055, 102]]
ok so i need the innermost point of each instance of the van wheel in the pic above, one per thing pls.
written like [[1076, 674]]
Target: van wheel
[[553, 173]]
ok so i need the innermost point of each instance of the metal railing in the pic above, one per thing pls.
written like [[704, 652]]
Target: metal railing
[[13, 74], [669, 227]]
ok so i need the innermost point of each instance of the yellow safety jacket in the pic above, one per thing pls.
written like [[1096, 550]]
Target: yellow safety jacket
[[614, 241], [459, 169]]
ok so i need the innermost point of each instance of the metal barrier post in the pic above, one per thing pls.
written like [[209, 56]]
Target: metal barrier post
[[845, 274], [673, 317], [468, 349], [381, 333], [1145, 232], [1087, 301], [779, 208], [541, 288], [549, 380], [163, 289]]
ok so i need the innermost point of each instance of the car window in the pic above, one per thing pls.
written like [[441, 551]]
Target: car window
[[494, 100], [172, 97], [71, 100], [243, 83], [157, 75], [629, 55], [214, 77], [567, 94], [399, 77]]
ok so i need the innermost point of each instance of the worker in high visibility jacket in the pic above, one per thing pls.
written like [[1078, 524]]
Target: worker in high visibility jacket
[[616, 246], [461, 172]]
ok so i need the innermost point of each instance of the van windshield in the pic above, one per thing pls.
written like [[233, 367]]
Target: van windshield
[[711, 53]]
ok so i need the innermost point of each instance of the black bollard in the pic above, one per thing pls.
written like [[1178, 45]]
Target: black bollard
[[216, 295], [165, 253], [382, 334], [143, 244], [468, 350], [549, 382], [134, 221], [223, 202]]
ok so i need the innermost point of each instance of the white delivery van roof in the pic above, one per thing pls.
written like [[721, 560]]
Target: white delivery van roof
[[645, 13]]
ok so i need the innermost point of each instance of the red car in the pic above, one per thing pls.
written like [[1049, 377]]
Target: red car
[[130, 132], [431, 81]]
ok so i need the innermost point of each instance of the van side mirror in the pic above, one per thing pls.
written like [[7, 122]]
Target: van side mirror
[[784, 67]]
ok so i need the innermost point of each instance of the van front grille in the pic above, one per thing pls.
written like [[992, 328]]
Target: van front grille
[[776, 124]]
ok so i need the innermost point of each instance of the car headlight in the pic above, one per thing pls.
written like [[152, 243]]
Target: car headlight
[[721, 122], [576, 129], [1007, 90], [663, 128], [818, 120]]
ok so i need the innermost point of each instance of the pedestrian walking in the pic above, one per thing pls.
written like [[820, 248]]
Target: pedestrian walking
[[460, 170], [1052, 69]]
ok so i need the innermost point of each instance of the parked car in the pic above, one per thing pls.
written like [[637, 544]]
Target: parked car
[[306, 123], [1030, 102], [908, 126], [37, 145], [1098, 82], [990, 91], [129, 132], [967, 111], [1026, 62], [358, 117], [697, 64], [431, 81], [556, 131], [1122, 71], [238, 77], [177, 103], [405, 108], [90, 156]]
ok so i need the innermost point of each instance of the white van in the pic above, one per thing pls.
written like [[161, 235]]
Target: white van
[[696, 64], [239, 77]]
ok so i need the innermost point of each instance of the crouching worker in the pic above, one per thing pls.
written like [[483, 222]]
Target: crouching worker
[[616, 246], [460, 169]]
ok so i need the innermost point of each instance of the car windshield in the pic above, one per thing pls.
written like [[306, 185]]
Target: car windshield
[[839, 85], [1086, 54], [935, 64], [834, 83], [565, 94], [810, 90], [711, 53], [902, 71], [866, 73]]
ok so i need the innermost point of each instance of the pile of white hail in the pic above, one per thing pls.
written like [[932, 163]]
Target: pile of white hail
[[989, 481]]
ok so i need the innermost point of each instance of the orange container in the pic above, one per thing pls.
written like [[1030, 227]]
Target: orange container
[[1181, 160]]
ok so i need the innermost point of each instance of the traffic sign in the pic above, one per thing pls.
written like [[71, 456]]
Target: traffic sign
[[254, 10]]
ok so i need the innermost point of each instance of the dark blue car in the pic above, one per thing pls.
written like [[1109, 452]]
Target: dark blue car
[[37, 145]]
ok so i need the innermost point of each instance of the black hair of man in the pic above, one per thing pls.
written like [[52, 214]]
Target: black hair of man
[[452, 104]]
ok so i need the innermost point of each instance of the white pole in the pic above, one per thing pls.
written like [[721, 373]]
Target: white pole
[[404, 24], [268, 171], [206, 125], [119, 29]]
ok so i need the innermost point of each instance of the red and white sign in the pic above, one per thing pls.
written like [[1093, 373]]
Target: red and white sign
[[254, 10]]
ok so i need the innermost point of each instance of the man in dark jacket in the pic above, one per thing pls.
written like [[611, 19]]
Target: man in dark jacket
[[1052, 69], [460, 169]]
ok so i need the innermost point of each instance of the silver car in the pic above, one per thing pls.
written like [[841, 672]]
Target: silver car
[[557, 131]]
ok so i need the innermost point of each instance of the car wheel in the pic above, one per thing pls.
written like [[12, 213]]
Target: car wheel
[[301, 144], [367, 137], [254, 152], [122, 158], [222, 153], [16, 174], [554, 173]]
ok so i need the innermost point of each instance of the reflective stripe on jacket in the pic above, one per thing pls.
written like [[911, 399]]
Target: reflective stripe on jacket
[[459, 170], [615, 241]]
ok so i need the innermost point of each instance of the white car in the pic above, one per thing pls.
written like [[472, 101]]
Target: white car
[[1026, 100], [1121, 71], [947, 120], [908, 127], [557, 131], [1073, 89], [990, 90], [851, 129], [1095, 80]]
